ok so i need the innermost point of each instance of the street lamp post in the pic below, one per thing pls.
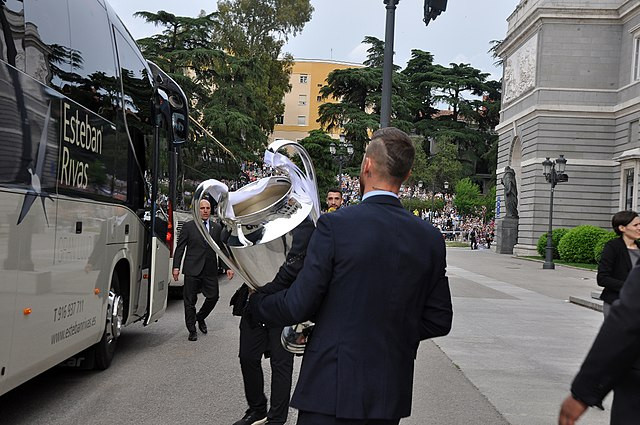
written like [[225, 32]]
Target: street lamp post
[[553, 176], [341, 153], [432, 9]]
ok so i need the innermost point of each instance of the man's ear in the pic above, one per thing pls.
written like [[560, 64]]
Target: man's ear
[[366, 165]]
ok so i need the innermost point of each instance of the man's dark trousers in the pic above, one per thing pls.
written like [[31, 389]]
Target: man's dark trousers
[[255, 340], [207, 283]]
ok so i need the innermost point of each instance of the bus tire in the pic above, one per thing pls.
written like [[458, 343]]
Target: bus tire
[[106, 348]]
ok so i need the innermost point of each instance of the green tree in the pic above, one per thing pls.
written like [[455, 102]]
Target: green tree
[[468, 200], [317, 144], [488, 204], [236, 78], [473, 102], [443, 166], [359, 91]]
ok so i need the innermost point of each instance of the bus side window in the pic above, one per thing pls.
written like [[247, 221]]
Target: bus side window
[[11, 47], [136, 106], [49, 53], [96, 86]]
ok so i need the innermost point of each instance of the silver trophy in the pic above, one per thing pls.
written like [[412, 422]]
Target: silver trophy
[[260, 219]]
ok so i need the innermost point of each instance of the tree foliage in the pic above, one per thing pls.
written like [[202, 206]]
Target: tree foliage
[[317, 144], [468, 200], [356, 95], [467, 144], [231, 65]]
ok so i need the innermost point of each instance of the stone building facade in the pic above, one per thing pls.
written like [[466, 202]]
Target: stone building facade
[[571, 85]]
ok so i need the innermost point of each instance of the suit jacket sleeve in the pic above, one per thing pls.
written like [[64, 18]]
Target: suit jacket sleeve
[[437, 313], [607, 267], [615, 349], [294, 261], [183, 239], [301, 301]]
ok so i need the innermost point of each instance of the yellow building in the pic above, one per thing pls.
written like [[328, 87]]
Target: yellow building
[[301, 104]]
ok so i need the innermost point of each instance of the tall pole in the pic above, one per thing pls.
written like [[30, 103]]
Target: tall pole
[[548, 261], [387, 73]]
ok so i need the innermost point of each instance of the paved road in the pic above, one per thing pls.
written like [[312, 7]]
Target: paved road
[[515, 345], [516, 336], [158, 377]]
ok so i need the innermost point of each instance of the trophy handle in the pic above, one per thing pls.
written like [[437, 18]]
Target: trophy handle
[[220, 193], [309, 172]]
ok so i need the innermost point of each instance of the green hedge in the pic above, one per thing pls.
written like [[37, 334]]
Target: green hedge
[[599, 246], [555, 240], [576, 246], [411, 204]]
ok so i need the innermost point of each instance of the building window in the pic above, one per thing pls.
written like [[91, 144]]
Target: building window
[[636, 58], [319, 98], [628, 189], [279, 119], [302, 100], [304, 78], [302, 120]]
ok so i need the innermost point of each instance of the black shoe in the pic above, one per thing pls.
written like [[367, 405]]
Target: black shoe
[[193, 336], [202, 326], [252, 418]]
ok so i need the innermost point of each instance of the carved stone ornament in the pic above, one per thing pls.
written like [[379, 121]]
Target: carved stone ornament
[[520, 70]]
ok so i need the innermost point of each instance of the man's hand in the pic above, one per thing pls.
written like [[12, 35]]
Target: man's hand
[[230, 274], [176, 274], [570, 411]]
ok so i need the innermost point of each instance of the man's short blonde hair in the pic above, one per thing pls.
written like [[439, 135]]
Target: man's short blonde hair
[[392, 150]]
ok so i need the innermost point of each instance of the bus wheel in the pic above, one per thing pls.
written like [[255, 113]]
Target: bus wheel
[[106, 348]]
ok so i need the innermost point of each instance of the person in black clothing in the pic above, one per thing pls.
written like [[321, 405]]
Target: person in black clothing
[[200, 270], [473, 236], [619, 256], [613, 363], [257, 340]]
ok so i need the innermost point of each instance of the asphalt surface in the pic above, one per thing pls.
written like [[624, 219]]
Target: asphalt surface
[[514, 348]]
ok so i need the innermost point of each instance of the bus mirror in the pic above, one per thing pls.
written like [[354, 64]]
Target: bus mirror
[[179, 128]]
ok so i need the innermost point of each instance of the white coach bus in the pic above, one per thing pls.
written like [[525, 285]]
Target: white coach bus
[[89, 132]]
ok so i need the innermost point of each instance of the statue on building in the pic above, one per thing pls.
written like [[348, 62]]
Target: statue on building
[[510, 192]]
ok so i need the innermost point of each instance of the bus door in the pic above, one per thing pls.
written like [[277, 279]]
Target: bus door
[[158, 277], [170, 131]]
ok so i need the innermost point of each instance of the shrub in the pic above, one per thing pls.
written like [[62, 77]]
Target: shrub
[[599, 246], [411, 204], [576, 246], [556, 236]]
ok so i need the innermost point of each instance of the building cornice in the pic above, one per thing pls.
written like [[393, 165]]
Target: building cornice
[[538, 15], [328, 61]]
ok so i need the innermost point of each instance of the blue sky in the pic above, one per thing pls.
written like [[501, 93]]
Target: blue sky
[[337, 28]]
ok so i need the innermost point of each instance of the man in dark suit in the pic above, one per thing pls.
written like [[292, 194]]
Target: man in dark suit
[[374, 283], [613, 363], [257, 340], [200, 270]]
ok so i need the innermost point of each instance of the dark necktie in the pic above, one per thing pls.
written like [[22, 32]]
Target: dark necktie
[[206, 225]]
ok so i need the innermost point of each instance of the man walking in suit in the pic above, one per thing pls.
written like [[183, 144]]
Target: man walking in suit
[[200, 270], [613, 363], [374, 283]]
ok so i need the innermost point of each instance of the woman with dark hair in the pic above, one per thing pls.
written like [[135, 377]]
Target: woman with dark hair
[[619, 256]]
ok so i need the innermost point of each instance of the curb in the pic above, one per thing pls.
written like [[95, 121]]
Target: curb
[[557, 264], [592, 304]]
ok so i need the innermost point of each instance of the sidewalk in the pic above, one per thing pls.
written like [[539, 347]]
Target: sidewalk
[[516, 336]]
